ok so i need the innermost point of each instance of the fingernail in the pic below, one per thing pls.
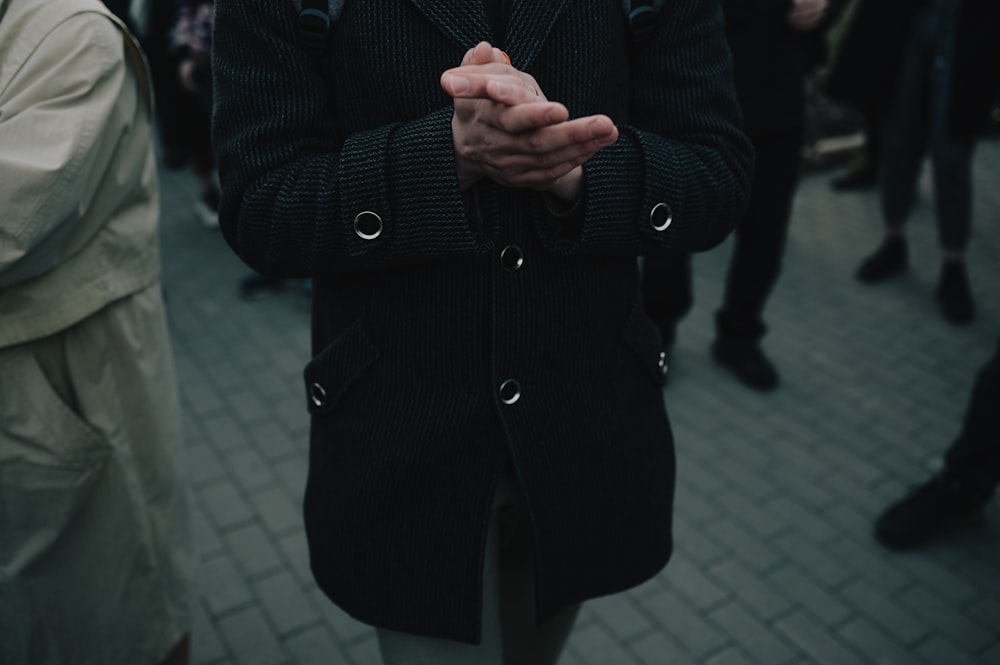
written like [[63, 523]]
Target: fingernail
[[459, 84]]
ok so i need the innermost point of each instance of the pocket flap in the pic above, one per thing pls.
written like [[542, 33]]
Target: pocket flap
[[644, 338], [338, 365]]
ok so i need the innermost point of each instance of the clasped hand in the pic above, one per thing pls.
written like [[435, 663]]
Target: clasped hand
[[505, 129]]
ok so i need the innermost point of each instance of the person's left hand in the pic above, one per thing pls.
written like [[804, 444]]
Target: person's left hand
[[806, 14], [506, 129]]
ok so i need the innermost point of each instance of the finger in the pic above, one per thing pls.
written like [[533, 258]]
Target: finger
[[472, 80], [512, 90], [523, 117], [596, 131]]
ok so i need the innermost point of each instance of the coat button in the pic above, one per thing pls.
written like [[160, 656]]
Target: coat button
[[510, 391], [662, 363], [511, 257], [661, 216], [368, 225], [317, 395]]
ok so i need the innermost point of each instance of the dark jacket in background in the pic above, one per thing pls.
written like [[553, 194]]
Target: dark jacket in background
[[771, 62], [415, 330], [865, 74], [976, 74]]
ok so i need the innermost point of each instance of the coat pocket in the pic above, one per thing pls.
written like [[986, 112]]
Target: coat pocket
[[643, 337], [50, 459], [331, 373]]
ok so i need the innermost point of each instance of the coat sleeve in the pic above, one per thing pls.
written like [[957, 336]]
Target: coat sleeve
[[294, 183], [57, 137], [679, 176]]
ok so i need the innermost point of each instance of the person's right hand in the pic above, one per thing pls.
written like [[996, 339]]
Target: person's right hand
[[505, 128], [806, 14]]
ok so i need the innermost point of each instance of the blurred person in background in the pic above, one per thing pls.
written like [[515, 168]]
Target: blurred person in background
[[863, 44], [775, 45], [967, 481], [971, 470], [190, 53], [936, 107], [96, 556]]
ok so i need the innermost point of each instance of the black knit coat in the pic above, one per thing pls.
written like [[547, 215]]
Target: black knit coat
[[416, 329]]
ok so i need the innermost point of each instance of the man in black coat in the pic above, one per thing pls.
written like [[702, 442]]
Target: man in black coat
[[775, 44], [481, 354]]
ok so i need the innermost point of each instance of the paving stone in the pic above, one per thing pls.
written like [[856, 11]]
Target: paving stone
[[762, 598], [752, 635], [816, 641], [686, 578], [691, 630], [817, 601], [276, 510], [207, 542], [296, 552], [250, 638], [947, 619], [810, 524], [746, 546], [203, 466], [249, 470], [365, 652], [224, 505], [285, 603], [655, 648], [315, 646], [886, 612], [222, 587], [872, 640], [620, 615], [206, 646], [877, 567], [253, 551], [274, 443], [813, 559], [939, 650], [597, 646]]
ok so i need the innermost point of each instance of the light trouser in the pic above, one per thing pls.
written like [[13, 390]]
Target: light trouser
[[510, 633]]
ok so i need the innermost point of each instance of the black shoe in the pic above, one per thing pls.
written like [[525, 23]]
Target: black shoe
[[928, 510], [257, 286], [954, 295], [889, 260], [747, 362]]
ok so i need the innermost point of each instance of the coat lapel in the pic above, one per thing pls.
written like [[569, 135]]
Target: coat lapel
[[530, 23], [466, 24]]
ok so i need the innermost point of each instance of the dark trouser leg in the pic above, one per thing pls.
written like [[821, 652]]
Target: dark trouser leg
[[974, 457], [760, 238], [667, 292]]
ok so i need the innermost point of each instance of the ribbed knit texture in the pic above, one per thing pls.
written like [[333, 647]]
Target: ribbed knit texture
[[415, 330]]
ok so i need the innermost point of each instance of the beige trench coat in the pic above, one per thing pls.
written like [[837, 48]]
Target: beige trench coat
[[95, 545]]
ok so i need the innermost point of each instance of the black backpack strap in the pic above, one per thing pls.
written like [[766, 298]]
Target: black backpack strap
[[312, 26]]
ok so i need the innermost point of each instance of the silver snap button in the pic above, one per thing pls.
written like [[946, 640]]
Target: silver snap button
[[368, 225], [317, 394], [661, 216], [511, 257], [510, 391]]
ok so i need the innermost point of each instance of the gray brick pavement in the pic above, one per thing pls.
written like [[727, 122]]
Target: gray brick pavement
[[774, 565]]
